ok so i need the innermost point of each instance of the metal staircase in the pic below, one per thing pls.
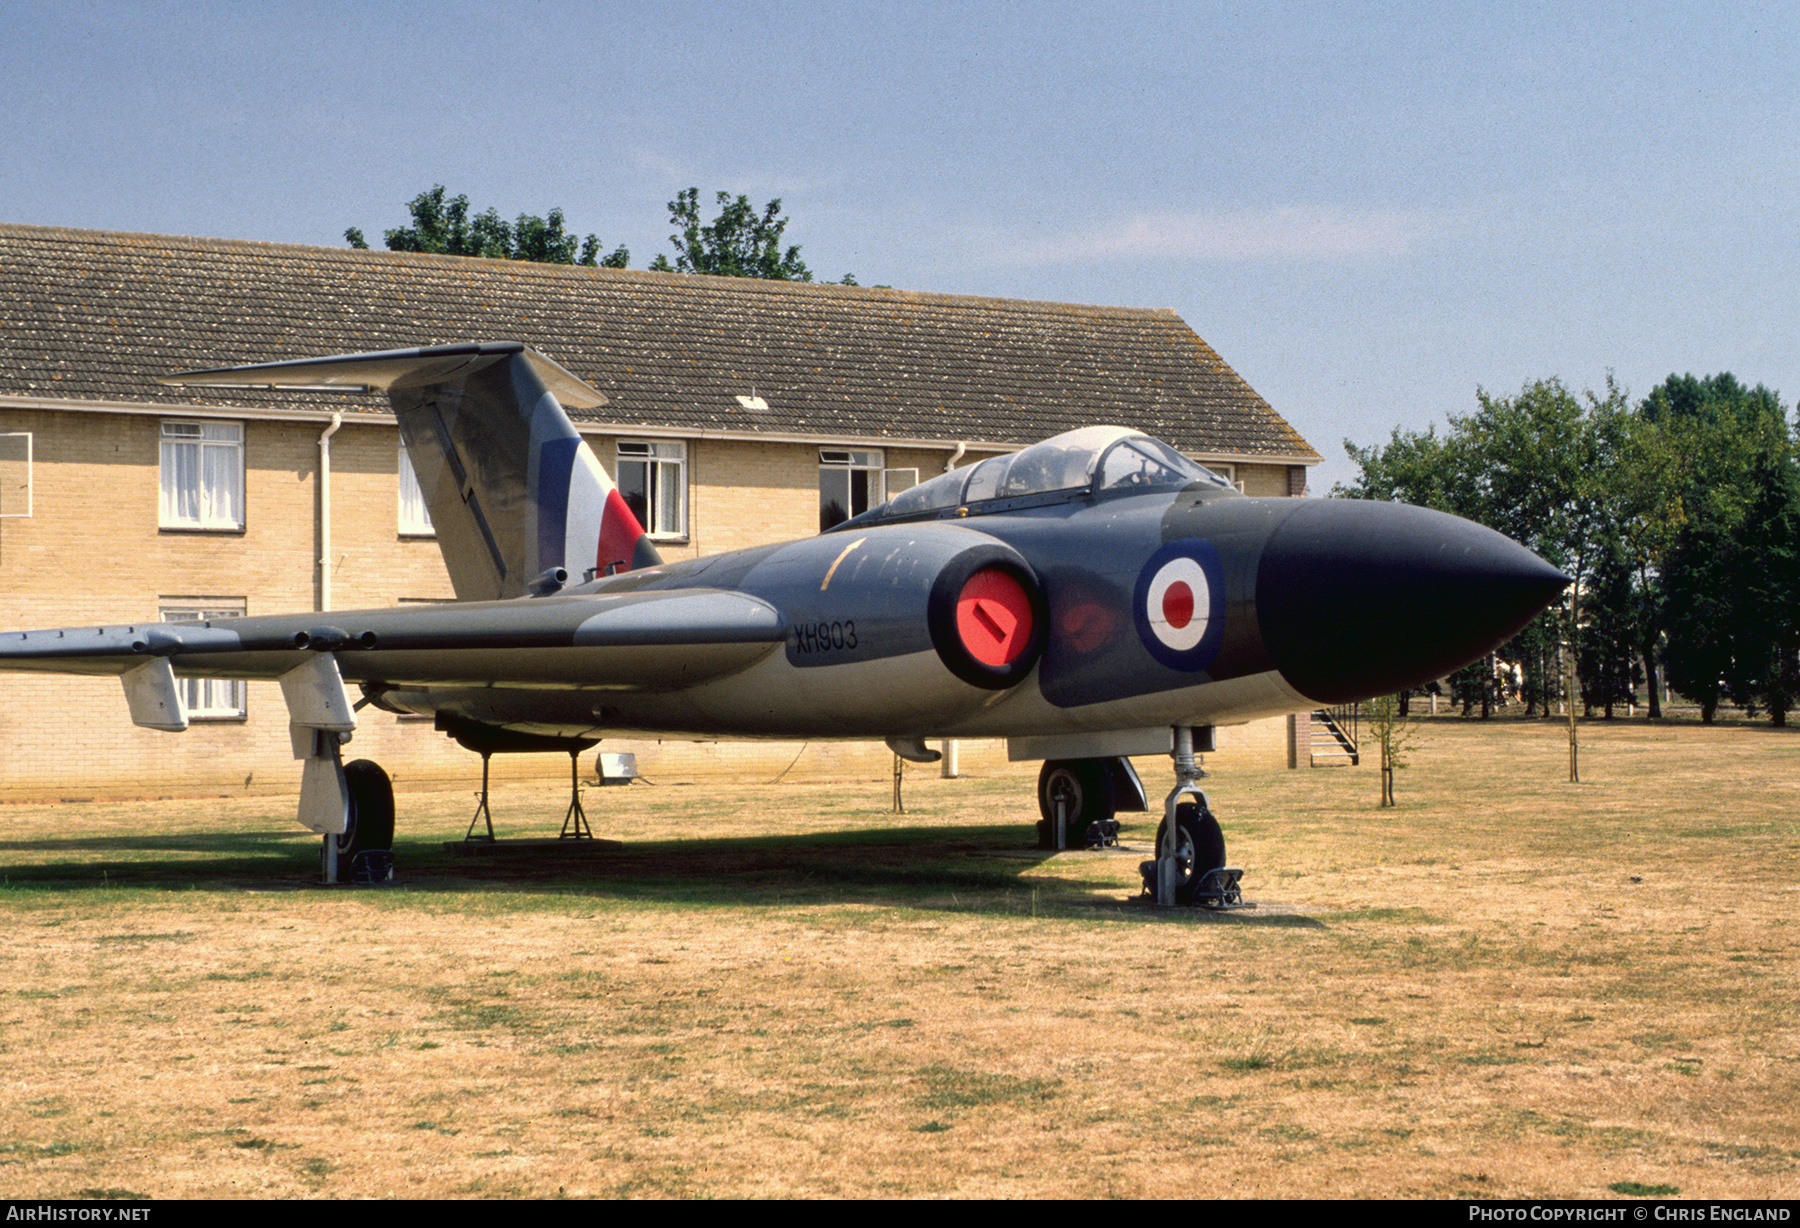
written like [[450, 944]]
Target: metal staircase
[[1334, 736]]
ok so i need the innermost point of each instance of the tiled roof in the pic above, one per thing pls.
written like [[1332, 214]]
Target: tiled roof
[[96, 315]]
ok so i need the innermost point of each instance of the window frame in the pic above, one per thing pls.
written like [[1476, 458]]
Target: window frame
[[418, 523], [672, 457], [205, 496], [6, 439], [872, 461], [209, 700]]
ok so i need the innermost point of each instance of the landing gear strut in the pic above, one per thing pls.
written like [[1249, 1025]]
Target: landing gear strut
[[1075, 796], [1190, 868]]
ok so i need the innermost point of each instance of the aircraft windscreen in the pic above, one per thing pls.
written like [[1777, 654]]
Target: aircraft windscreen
[[1123, 460], [985, 478], [932, 495], [1144, 463]]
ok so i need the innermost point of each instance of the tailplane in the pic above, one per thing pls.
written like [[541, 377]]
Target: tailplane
[[515, 493]]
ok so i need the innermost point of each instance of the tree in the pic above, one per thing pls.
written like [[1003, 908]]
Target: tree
[[1393, 732], [1609, 635], [444, 226], [1730, 579], [1679, 520], [1412, 467], [738, 243]]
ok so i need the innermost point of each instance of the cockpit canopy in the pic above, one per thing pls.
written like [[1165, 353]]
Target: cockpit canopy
[[1095, 460]]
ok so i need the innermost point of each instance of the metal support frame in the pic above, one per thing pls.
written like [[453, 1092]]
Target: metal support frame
[[481, 806], [320, 721], [1061, 812], [575, 823], [1187, 784]]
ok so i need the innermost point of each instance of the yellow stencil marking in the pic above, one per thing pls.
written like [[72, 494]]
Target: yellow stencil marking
[[832, 570]]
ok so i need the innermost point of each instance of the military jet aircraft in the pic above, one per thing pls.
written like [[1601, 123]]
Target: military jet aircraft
[[1093, 597]]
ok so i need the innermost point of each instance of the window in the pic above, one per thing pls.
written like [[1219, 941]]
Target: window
[[415, 517], [15, 474], [209, 699], [849, 484], [653, 481], [203, 475]]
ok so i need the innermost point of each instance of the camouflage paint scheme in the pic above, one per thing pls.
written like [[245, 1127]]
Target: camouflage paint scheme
[[1092, 586]]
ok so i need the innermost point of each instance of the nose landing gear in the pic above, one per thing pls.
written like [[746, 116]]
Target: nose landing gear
[[1190, 869]]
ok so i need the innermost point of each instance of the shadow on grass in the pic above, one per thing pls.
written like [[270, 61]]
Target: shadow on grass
[[961, 868], [178, 843]]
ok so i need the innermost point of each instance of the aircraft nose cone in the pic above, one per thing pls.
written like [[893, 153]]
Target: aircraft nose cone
[[1357, 598]]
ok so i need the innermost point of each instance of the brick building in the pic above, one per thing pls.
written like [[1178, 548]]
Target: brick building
[[739, 412]]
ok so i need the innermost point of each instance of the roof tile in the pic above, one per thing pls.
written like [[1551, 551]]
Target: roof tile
[[98, 315]]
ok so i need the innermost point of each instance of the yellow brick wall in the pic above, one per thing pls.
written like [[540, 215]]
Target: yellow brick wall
[[1264, 481], [94, 553]]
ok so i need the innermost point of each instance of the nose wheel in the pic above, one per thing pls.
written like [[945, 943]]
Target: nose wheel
[[1190, 869], [1202, 879]]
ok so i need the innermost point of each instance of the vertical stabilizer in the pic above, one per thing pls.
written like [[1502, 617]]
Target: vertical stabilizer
[[513, 490]]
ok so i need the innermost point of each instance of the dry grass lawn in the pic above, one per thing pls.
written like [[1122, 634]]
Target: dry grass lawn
[[1510, 986]]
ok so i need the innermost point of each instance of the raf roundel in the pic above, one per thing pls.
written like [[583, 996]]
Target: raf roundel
[[1180, 604]]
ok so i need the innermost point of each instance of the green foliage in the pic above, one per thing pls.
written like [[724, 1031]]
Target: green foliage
[[738, 243], [1524, 465], [443, 226], [1393, 733], [1412, 467], [1679, 520], [1730, 578], [1609, 634]]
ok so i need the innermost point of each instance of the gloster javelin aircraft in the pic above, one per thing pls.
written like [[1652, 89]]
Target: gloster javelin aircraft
[[1090, 598]]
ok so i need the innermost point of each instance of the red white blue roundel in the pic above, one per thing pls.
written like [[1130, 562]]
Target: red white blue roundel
[[1179, 606]]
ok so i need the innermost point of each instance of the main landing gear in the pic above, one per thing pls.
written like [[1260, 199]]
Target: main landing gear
[[350, 805], [366, 845], [1077, 799]]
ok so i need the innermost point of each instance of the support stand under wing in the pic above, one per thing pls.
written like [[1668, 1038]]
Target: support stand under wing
[[320, 721]]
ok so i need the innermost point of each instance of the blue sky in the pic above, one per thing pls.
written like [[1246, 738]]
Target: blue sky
[[1368, 210]]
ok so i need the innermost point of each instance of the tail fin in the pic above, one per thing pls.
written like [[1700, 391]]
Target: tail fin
[[514, 491]]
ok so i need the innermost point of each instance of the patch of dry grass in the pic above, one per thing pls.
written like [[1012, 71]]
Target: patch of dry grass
[[1507, 987]]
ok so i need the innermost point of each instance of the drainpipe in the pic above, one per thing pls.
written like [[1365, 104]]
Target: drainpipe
[[955, 456], [337, 420]]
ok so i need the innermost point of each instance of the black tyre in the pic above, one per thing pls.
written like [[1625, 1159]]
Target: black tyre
[[1085, 786], [1199, 850], [370, 824]]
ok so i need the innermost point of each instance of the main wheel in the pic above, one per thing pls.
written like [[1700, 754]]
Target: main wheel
[[1199, 848], [370, 823], [1084, 787]]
